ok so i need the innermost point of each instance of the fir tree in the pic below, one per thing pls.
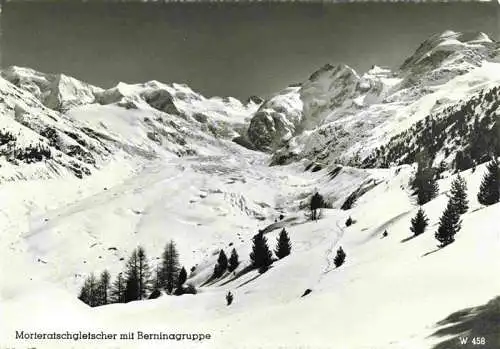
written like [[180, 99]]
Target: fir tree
[[170, 266], [260, 256], [419, 222], [315, 204], [182, 277], [157, 281], [449, 225], [132, 288], [489, 191], [459, 194], [84, 293], [104, 285], [229, 298], [93, 287], [143, 273], [233, 261], [284, 246], [339, 258], [425, 185], [221, 265], [348, 222], [132, 291], [118, 289], [89, 293]]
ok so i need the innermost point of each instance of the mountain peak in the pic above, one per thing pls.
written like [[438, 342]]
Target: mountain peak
[[332, 69], [438, 47]]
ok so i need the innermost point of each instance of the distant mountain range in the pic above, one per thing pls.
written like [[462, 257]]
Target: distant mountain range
[[54, 123]]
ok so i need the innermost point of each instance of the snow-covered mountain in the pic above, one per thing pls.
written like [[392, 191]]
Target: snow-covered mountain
[[346, 116], [56, 122], [56, 91], [88, 174]]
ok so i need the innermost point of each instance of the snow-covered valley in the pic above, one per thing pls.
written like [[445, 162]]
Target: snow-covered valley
[[165, 167]]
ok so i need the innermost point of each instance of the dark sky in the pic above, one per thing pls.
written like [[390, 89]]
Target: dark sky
[[223, 49]]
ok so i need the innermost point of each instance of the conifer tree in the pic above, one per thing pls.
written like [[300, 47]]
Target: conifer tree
[[260, 256], [339, 258], [449, 225], [233, 261], [221, 265], [143, 273], [284, 246], [425, 185], [419, 222], [89, 293], [132, 288], [229, 298], [93, 290], [315, 204], [459, 194], [132, 291], [182, 277], [348, 222], [104, 284], [118, 289], [170, 266], [84, 293], [489, 191], [157, 281]]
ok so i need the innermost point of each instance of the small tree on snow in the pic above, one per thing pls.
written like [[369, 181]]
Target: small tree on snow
[[489, 191], [315, 204], [89, 292], [182, 277], [284, 246], [349, 222], [260, 256], [170, 266], [459, 194], [233, 261], [339, 258], [180, 282], [221, 266], [449, 225], [229, 298], [143, 272], [419, 222]]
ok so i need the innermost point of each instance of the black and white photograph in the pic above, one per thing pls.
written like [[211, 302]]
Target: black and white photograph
[[249, 174]]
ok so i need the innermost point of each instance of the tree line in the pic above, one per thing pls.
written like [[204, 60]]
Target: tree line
[[449, 222], [138, 280]]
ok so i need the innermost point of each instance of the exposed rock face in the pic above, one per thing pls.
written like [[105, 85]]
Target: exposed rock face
[[255, 99], [276, 120]]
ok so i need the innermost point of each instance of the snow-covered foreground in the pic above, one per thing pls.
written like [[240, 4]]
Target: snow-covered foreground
[[388, 294]]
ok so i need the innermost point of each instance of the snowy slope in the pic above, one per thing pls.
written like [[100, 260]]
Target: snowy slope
[[382, 281]]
